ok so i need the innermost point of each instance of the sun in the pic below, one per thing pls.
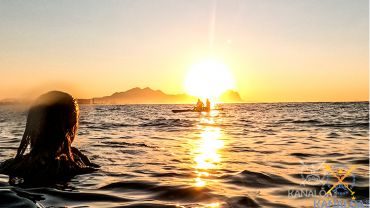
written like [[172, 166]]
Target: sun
[[208, 79]]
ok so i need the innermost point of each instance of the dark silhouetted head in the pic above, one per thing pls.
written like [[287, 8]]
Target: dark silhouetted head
[[51, 127]]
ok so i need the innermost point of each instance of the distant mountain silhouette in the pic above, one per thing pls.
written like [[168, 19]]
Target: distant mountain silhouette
[[9, 101], [231, 96], [149, 96], [141, 96]]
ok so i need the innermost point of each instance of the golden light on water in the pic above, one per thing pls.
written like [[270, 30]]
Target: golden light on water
[[210, 205], [207, 154], [199, 182], [213, 205], [208, 148]]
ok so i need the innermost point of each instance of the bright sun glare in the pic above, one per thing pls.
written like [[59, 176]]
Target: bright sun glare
[[209, 79]]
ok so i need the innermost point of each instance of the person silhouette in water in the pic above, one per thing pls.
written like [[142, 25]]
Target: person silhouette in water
[[208, 105], [200, 105], [51, 127]]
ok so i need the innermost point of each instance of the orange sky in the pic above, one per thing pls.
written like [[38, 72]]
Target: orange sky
[[283, 50]]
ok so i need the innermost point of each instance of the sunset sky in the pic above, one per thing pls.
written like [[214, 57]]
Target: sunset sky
[[277, 50]]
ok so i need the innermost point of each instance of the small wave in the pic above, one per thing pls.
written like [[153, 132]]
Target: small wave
[[114, 125], [179, 193], [149, 205], [162, 192], [256, 179], [301, 155], [114, 144], [20, 198], [332, 135], [214, 125], [287, 120], [30, 196], [106, 126], [130, 151], [12, 199], [170, 175], [84, 122], [345, 125], [168, 123], [242, 201], [81, 196], [310, 121], [361, 161], [315, 122], [267, 203], [131, 185], [333, 154]]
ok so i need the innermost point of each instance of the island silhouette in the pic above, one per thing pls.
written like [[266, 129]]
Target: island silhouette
[[149, 96], [138, 95]]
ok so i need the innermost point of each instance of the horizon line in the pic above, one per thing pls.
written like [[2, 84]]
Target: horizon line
[[251, 102], [27, 100]]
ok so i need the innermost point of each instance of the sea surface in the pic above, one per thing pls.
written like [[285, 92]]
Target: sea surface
[[248, 155]]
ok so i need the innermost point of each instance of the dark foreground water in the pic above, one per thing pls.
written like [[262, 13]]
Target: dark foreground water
[[249, 155]]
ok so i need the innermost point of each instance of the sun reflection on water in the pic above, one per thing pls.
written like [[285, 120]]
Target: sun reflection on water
[[207, 155], [210, 205]]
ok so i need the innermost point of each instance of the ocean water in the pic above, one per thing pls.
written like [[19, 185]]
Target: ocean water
[[248, 155]]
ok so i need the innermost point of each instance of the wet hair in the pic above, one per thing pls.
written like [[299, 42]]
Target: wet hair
[[52, 124], [51, 127]]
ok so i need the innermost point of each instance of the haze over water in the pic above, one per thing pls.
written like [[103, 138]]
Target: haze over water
[[248, 155]]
